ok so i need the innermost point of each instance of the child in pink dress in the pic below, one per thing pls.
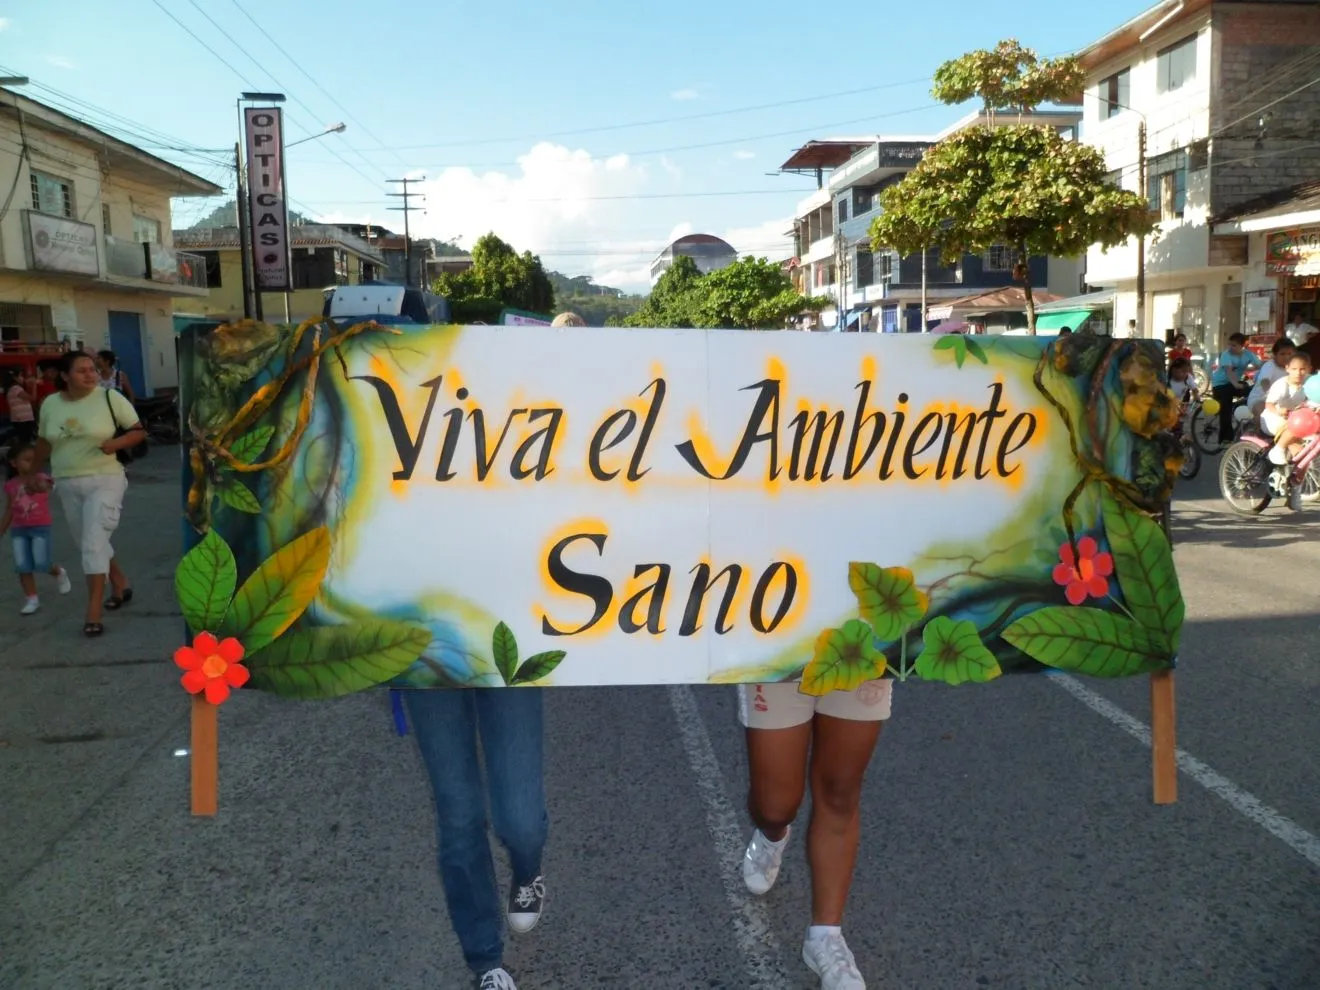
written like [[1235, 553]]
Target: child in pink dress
[[27, 518]]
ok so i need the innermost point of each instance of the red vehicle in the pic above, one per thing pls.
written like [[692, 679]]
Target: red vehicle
[[23, 359]]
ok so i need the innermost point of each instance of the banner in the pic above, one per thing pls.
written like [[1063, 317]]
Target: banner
[[60, 245], [484, 506], [1293, 252], [267, 206]]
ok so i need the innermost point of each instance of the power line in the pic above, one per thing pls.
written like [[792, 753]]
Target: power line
[[574, 199]]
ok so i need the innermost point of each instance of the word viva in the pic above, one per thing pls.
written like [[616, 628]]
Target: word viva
[[816, 446]]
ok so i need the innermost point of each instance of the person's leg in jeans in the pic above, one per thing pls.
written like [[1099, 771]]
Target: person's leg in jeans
[[1224, 395], [445, 724], [512, 725]]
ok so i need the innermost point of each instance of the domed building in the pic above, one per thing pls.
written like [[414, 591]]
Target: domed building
[[711, 253]]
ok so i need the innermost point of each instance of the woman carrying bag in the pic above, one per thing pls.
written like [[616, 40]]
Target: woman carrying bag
[[87, 431]]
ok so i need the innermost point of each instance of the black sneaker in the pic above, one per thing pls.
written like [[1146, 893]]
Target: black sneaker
[[525, 905], [496, 979]]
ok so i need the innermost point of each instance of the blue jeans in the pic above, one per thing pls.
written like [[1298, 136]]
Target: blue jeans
[[31, 549], [509, 722]]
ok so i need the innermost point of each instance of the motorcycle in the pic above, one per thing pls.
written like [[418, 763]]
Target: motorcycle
[[159, 416]]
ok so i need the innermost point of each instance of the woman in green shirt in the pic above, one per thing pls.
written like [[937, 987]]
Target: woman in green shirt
[[78, 431]]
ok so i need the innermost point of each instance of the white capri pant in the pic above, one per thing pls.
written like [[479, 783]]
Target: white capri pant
[[92, 505], [1272, 423]]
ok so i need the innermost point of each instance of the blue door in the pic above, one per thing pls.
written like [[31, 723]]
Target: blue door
[[126, 342]]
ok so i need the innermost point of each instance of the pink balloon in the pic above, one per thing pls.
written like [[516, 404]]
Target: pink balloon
[[1304, 422]]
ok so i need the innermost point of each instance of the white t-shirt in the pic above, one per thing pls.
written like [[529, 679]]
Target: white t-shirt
[[1299, 333], [1269, 373], [1285, 396], [1180, 388]]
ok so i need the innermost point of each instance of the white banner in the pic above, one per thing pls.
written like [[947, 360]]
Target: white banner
[[268, 210], [60, 245]]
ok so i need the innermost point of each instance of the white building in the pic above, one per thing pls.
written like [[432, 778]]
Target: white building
[[1214, 86]]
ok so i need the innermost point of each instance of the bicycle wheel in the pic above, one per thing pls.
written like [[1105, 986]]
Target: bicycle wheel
[[1311, 483], [1202, 379], [1244, 478], [1191, 464], [1205, 431]]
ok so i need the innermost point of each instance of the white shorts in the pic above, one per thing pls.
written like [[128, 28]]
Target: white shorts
[[782, 705], [1273, 424], [92, 505]]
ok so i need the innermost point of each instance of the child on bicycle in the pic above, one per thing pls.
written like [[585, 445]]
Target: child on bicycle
[[1182, 383], [28, 520], [1286, 396]]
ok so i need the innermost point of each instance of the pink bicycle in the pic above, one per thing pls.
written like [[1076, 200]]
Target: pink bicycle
[[1249, 482]]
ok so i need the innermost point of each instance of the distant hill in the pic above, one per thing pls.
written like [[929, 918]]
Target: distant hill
[[226, 215], [598, 305]]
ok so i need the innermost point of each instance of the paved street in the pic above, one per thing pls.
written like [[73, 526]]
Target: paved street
[[1010, 840]]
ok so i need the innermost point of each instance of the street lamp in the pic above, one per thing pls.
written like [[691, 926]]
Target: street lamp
[[336, 128]]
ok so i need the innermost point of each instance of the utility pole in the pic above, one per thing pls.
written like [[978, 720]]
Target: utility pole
[[1141, 241], [407, 208], [924, 308], [244, 249]]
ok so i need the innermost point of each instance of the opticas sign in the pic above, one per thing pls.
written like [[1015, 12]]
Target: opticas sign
[[267, 206], [1294, 252]]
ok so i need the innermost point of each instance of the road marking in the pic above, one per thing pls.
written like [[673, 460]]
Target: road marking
[[1243, 802], [751, 923]]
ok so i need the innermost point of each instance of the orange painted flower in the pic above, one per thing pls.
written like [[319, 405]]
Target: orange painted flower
[[212, 666], [1084, 574]]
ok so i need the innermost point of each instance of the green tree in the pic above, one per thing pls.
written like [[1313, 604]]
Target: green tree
[[750, 294], [1023, 186], [673, 300], [499, 279]]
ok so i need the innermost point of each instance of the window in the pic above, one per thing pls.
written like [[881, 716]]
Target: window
[[863, 200], [1115, 93], [831, 275], [52, 195], [1115, 178], [1166, 187], [998, 259], [1198, 155], [313, 268], [105, 220], [212, 259], [1175, 66], [886, 264], [843, 211], [865, 269], [818, 276], [146, 230]]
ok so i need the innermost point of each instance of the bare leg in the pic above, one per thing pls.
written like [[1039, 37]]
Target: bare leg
[[95, 592], [118, 579], [777, 776], [29, 584], [839, 759]]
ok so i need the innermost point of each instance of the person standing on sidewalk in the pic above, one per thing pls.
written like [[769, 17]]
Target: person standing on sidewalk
[[83, 427], [792, 738], [27, 520], [508, 725]]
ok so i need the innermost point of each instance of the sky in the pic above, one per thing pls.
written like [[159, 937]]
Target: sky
[[591, 133]]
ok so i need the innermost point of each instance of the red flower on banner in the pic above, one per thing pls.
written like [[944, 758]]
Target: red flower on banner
[[1084, 574], [212, 666]]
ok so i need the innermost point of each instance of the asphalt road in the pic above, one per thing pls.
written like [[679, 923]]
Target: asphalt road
[[1010, 840]]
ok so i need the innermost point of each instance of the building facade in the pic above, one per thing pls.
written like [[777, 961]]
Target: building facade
[[710, 253], [324, 256], [1219, 93], [86, 251], [879, 290]]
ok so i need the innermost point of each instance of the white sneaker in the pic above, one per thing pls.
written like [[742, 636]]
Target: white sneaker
[[62, 582], [1278, 455], [30, 606], [830, 958], [762, 860], [525, 905], [496, 979]]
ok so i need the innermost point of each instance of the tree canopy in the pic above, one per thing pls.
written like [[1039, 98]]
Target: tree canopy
[[499, 279], [1023, 186], [750, 294]]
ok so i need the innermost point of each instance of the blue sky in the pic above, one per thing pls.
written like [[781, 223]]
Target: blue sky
[[521, 115]]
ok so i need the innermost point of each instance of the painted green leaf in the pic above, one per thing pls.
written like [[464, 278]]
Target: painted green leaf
[[955, 342], [204, 583], [504, 649], [975, 350], [1144, 562], [279, 591], [953, 653], [239, 496], [536, 667], [249, 446], [329, 661], [888, 598], [843, 659], [1089, 641]]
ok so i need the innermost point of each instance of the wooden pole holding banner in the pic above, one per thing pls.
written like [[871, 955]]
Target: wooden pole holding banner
[[1163, 745], [205, 756]]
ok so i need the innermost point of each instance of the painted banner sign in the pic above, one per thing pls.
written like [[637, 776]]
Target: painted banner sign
[[449, 506], [1293, 252], [267, 205]]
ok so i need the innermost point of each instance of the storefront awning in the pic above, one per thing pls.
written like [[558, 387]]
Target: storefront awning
[[1072, 318]]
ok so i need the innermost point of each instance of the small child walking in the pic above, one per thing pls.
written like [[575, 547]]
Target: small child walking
[[28, 521]]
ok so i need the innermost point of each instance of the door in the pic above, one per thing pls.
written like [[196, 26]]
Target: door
[[126, 342]]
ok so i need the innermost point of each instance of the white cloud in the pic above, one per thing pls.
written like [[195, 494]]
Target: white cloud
[[60, 61], [681, 230], [554, 200], [4, 23], [743, 155], [684, 94], [769, 239], [672, 170]]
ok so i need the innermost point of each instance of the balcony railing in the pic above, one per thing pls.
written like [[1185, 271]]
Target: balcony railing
[[154, 263]]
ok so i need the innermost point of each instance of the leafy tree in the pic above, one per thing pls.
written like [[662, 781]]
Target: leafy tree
[[499, 278], [1024, 186], [750, 294]]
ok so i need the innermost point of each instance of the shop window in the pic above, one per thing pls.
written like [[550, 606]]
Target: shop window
[[51, 194]]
